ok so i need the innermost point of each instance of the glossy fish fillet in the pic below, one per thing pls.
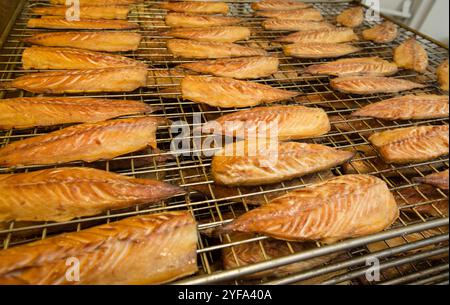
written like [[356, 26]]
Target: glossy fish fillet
[[86, 12], [442, 75], [199, 7], [122, 252], [355, 66], [411, 144], [187, 20], [336, 35], [206, 49], [240, 68], [308, 14], [351, 17], [437, 179], [98, 2], [295, 25], [278, 5], [87, 142], [292, 122], [217, 34], [411, 55], [94, 80], [227, 92], [250, 163], [319, 50], [88, 24], [381, 33], [408, 107], [343, 207], [372, 84]]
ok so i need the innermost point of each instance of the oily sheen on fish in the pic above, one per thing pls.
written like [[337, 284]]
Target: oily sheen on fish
[[295, 25], [336, 35], [372, 84], [442, 75], [437, 179], [381, 33], [319, 50], [193, 20], [411, 55], [86, 12], [215, 34], [308, 14], [351, 17], [88, 24], [199, 7], [374, 66], [278, 5], [147, 249]]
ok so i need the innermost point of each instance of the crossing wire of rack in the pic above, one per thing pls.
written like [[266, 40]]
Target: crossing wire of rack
[[413, 250]]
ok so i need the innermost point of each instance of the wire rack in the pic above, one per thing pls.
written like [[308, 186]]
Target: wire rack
[[413, 250]]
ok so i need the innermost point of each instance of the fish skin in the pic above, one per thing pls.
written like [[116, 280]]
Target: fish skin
[[373, 66], [87, 142], [381, 33], [342, 207], [411, 144], [278, 5], [88, 24], [442, 75], [227, 92], [336, 35], [437, 179], [372, 84], [295, 25], [121, 252], [199, 7], [411, 55], [86, 12], [408, 107], [249, 163], [319, 50], [190, 20], [214, 34], [98, 2], [351, 17], [308, 14], [121, 79], [239, 68]]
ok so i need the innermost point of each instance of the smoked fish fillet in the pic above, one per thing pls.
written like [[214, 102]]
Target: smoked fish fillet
[[351, 17], [239, 68], [411, 55], [437, 179], [88, 24], [339, 208], [86, 12], [94, 41], [291, 122], [278, 5], [47, 58], [372, 84], [192, 21], [295, 25], [207, 49], [411, 144], [215, 34], [198, 7], [103, 3], [442, 75], [121, 79], [147, 249], [86, 142], [374, 66], [408, 107], [250, 163], [381, 33], [336, 35], [227, 92], [319, 50], [308, 14], [61, 194]]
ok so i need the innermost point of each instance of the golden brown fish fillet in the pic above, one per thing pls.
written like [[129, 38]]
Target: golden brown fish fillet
[[88, 24], [372, 84], [251, 163], [351, 17], [122, 252], [278, 5], [198, 7], [87, 142], [292, 122], [26, 112], [61, 194], [408, 107], [295, 25], [46, 58], [121, 79], [437, 179], [86, 12], [442, 75], [319, 50], [227, 92], [191, 21], [411, 144], [336, 35], [343, 207], [411, 55], [240, 68], [374, 66], [308, 14], [381, 33], [98, 2], [216, 34], [206, 49]]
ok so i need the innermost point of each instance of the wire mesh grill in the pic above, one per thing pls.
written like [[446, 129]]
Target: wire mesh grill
[[212, 206]]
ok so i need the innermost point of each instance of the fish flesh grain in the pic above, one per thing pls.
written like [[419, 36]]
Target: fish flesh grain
[[215, 34], [86, 12], [372, 84], [250, 163], [373, 66], [198, 7], [27, 112], [103, 3], [94, 41], [351, 17], [191, 21], [239, 68], [61, 194], [290, 122], [408, 107], [122, 79], [319, 50], [228, 92], [47, 58], [295, 25], [411, 144], [207, 49], [88, 24], [411, 55], [308, 14], [278, 5], [437, 179], [442, 75], [336, 35], [342, 207], [381, 33], [87, 142], [121, 252]]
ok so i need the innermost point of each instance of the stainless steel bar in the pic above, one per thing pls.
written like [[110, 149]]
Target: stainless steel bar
[[417, 275], [432, 279]]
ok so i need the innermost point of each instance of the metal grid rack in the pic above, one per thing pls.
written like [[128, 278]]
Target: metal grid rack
[[420, 253]]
